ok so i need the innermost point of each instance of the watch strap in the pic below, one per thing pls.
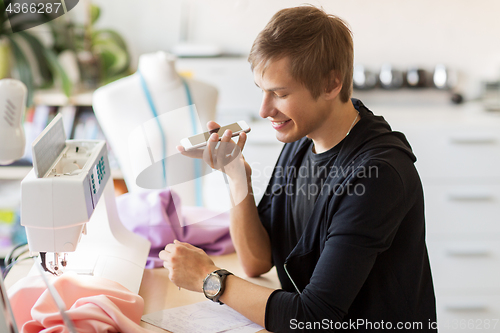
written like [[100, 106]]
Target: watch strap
[[223, 275]]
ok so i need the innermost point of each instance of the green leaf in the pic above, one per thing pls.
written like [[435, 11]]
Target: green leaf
[[112, 50], [108, 58], [63, 34], [95, 12], [114, 78], [57, 68], [115, 60], [38, 50], [110, 34], [5, 55], [23, 68], [3, 17]]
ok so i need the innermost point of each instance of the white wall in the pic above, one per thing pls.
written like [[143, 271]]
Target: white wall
[[460, 33]]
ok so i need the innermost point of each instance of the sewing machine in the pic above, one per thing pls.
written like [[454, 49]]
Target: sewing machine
[[66, 219]]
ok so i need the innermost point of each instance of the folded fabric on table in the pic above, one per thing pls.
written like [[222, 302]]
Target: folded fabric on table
[[157, 216], [94, 304]]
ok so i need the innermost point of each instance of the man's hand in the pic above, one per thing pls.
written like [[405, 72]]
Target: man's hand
[[249, 236], [187, 265], [225, 156]]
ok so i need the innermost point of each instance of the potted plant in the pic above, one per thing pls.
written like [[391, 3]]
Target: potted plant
[[11, 49], [102, 53]]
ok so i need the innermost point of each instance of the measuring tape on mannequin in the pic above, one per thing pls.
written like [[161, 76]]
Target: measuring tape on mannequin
[[197, 163]]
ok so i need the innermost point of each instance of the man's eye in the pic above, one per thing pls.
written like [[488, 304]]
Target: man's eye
[[281, 96]]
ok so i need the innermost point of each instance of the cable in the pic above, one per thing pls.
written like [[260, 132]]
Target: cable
[[8, 258], [9, 267]]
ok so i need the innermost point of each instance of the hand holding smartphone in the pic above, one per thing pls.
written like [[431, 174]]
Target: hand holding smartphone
[[224, 155], [200, 140]]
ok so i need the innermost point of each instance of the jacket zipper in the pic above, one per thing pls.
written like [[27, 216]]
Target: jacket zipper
[[286, 271]]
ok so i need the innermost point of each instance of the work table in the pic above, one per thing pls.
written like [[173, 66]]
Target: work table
[[159, 293]]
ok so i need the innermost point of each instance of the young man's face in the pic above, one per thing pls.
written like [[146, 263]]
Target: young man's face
[[288, 104]]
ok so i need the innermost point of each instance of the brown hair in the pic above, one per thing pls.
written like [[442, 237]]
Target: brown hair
[[316, 43]]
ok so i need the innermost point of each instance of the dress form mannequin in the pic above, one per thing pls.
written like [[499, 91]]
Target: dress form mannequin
[[122, 106]]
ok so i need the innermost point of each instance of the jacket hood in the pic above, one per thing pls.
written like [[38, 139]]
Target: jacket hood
[[374, 133]]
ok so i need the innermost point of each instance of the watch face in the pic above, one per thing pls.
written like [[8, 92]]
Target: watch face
[[212, 285]]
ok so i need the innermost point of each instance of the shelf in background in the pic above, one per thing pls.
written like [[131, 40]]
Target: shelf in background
[[54, 97]]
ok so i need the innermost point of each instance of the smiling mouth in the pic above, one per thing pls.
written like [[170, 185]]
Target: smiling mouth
[[278, 123]]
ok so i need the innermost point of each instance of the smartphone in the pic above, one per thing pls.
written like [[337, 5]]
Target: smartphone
[[200, 140]]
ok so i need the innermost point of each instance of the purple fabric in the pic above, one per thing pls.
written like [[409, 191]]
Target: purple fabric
[[153, 215]]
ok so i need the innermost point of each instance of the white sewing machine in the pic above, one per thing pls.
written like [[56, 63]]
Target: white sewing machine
[[64, 216]]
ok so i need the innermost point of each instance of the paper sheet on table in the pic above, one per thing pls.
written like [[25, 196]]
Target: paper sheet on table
[[203, 317]]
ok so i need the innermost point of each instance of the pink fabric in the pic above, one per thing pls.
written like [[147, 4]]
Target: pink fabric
[[153, 215], [94, 304]]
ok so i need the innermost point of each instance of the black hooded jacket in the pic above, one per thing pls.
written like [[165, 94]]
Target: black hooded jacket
[[361, 263]]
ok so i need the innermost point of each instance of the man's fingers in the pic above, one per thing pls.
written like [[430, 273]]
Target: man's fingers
[[242, 139], [169, 247], [226, 137], [192, 247], [211, 149], [211, 125], [163, 255], [193, 153]]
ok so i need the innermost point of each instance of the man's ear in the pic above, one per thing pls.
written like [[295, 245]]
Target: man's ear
[[333, 86]]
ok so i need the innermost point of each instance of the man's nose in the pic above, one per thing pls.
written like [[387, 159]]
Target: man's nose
[[267, 108]]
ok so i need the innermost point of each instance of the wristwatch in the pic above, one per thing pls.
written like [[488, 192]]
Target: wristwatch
[[214, 284]]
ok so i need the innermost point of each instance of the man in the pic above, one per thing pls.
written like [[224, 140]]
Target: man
[[343, 215]]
